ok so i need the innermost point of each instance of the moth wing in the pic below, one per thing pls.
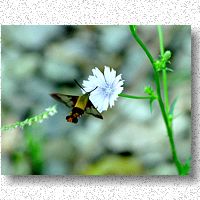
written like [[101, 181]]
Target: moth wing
[[91, 110], [68, 100]]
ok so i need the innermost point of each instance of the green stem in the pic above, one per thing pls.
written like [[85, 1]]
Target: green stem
[[160, 101], [133, 97], [139, 41], [170, 135], [164, 73]]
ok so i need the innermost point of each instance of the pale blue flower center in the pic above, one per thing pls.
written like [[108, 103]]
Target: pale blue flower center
[[108, 90]]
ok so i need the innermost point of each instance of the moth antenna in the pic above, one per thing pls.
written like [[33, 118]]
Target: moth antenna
[[93, 89], [79, 85]]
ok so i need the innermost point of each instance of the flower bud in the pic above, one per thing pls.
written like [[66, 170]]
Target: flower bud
[[167, 55]]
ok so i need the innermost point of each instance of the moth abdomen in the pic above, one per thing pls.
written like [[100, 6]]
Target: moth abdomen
[[72, 119], [74, 115], [77, 110]]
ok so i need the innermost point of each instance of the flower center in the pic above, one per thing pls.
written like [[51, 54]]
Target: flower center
[[108, 90]]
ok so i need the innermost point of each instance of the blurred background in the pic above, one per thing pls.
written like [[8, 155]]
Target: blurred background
[[38, 60]]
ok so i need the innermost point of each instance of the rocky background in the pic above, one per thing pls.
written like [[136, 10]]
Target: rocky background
[[38, 60]]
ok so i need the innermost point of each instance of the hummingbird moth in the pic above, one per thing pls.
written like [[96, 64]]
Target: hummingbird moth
[[79, 104]]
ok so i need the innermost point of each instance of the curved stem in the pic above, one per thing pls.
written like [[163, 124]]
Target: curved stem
[[133, 97], [160, 101], [164, 73], [139, 41]]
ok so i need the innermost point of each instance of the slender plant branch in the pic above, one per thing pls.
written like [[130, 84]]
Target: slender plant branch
[[164, 73], [139, 41], [160, 101], [50, 111], [134, 97]]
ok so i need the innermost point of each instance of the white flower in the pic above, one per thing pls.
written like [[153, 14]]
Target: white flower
[[108, 87]]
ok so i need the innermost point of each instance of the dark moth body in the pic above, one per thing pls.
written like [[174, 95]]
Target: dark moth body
[[79, 105]]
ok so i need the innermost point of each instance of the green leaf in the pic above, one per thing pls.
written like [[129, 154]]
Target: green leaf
[[169, 69], [171, 111]]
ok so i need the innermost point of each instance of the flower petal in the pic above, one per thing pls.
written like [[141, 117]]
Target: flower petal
[[105, 104], [117, 79], [112, 76], [99, 75], [118, 90], [109, 75], [97, 102], [112, 100], [88, 84]]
